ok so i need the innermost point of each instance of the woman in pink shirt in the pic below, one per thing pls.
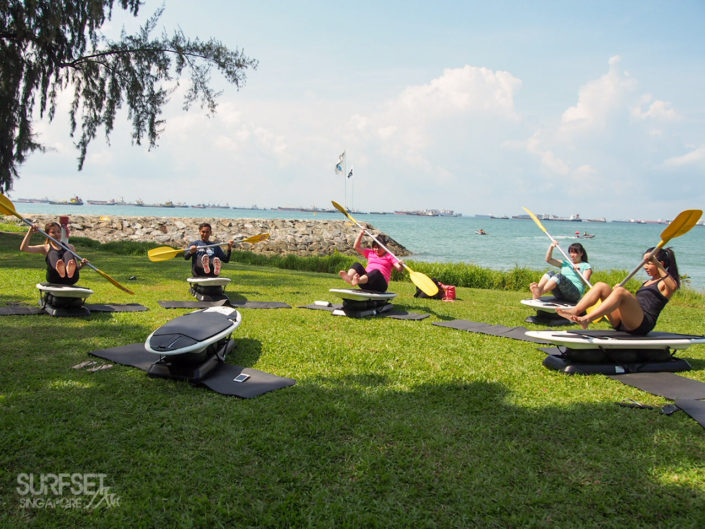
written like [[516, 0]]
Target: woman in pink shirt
[[379, 267]]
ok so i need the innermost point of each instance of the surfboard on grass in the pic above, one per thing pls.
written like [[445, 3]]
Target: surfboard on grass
[[547, 304], [356, 294], [607, 339]]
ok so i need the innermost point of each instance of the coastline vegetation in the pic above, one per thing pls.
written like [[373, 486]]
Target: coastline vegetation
[[390, 424], [457, 274]]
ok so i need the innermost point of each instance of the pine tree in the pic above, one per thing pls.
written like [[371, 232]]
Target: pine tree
[[47, 46]]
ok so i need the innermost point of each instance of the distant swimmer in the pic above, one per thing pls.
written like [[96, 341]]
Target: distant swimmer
[[481, 232]]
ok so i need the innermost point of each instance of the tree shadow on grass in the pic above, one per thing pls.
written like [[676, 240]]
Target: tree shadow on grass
[[357, 451]]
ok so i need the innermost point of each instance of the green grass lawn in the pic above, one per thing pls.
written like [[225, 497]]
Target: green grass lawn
[[390, 424]]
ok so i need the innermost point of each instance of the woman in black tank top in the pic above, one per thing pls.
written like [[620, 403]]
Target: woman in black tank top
[[62, 267], [635, 314]]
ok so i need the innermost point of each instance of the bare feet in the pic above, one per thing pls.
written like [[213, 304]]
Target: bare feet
[[61, 268], [355, 280], [206, 262], [535, 290], [216, 266], [344, 276], [71, 268], [568, 314]]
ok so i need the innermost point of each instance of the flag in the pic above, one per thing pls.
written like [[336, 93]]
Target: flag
[[350, 173], [341, 162]]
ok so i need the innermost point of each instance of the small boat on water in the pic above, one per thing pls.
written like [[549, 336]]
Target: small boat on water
[[584, 235]]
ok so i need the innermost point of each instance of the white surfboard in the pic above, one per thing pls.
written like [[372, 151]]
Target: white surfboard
[[606, 339], [547, 304], [193, 332], [64, 291], [361, 295], [209, 281]]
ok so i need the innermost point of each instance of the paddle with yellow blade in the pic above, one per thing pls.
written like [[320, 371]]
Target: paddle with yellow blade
[[8, 208], [567, 257], [681, 225], [425, 283], [164, 253]]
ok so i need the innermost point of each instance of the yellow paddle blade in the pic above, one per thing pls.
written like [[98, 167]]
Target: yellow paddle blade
[[535, 219], [106, 276], [681, 225], [163, 253], [425, 283], [343, 211], [257, 238], [7, 207]]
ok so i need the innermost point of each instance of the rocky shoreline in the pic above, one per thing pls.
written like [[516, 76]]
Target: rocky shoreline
[[287, 236]]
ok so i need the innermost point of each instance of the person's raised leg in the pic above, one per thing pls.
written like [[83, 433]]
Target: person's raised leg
[[359, 279], [347, 276]]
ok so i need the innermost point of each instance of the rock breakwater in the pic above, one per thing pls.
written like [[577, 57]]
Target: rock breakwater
[[287, 236]]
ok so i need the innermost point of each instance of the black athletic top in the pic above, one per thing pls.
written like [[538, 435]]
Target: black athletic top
[[652, 302]]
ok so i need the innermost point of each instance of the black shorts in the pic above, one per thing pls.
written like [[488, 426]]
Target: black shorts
[[375, 280]]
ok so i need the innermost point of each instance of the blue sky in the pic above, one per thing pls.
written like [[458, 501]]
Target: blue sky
[[565, 107]]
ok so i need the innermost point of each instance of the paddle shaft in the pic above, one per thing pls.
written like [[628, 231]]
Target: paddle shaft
[[543, 229], [681, 225], [65, 247], [377, 241], [585, 280], [643, 262]]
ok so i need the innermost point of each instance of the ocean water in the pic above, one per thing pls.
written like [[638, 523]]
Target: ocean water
[[508, 243]]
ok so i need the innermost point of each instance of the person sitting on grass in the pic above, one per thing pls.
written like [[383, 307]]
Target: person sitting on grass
[[635, 314], [206, 262], [379, 266], [62, 268]]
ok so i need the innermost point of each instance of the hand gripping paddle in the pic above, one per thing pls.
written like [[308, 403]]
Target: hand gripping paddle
[[164, 253], [678, 226], [8, 208], [425, 283]]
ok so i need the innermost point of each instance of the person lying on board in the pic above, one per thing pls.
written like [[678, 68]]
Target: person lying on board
[[565, 285], [379, 266], [62, 267], [633, 313], [206, 262]]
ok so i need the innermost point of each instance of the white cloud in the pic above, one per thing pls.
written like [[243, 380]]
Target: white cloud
[[656, 110], [598, 99], [468, 90], [694, 157]]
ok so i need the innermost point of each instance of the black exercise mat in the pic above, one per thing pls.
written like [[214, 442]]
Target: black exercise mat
[[20, 310], [133, 355], [397, 314], [259, 304], [115, 307], [694, 408], [223, 302], [515, 333], [219, 380], [673, 387], [192, 304]]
